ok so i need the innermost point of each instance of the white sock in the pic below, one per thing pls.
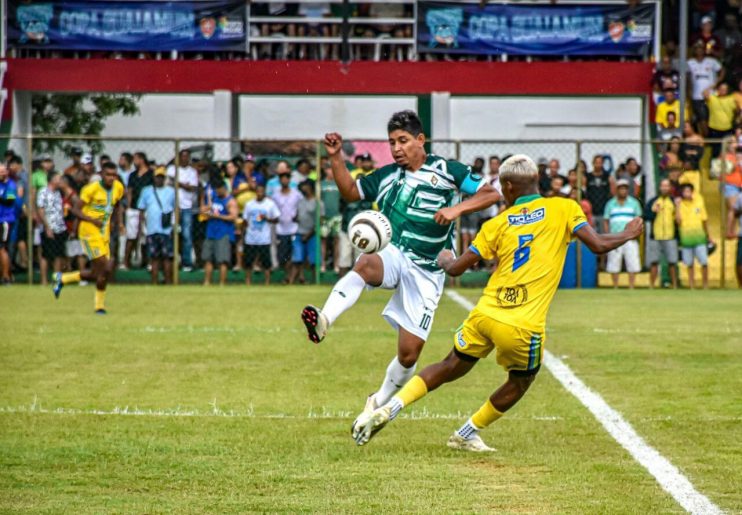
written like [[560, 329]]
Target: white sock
[[343, 295], [468, 430], [396, 377]]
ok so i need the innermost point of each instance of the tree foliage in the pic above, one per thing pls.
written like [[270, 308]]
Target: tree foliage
[[83, 115]]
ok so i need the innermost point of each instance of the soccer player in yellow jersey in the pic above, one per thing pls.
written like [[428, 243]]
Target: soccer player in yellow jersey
[[95, 208], [530, 240]]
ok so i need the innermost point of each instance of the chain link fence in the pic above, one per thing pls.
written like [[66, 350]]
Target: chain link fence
[[143, 247]]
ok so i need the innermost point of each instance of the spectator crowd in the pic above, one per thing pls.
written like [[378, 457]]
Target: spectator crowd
[[243, 215]]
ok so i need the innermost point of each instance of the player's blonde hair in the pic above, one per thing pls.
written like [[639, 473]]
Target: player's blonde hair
[[518, 167]]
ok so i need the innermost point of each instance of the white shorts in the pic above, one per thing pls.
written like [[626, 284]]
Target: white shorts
[[37, 235], [413, 305], [347, 255], [132, 224], [699, 252], [628, 252]]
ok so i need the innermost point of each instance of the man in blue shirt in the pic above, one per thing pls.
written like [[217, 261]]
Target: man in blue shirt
[[222, 211], [618, 212], [156, 205], [8, 194]]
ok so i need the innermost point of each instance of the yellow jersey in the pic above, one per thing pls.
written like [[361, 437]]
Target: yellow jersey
[[721, 112], [663, 227], [98, 204], [530, 239], [691, 226]]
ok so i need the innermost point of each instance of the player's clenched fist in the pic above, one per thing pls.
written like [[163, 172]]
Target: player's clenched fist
[[333, 143], [635, 227]]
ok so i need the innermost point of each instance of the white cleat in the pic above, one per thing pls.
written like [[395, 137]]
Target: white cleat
[[315, 322], [379, 418], [473, 444], [362, 419]]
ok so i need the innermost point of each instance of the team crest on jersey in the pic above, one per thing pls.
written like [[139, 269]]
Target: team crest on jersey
[[434, 180], [526, 217]]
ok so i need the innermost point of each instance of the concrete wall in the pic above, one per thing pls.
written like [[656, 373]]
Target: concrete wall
[[362, 118]]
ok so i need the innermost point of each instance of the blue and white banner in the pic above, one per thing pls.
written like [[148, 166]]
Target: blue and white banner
[[562, 29], [123, 25]]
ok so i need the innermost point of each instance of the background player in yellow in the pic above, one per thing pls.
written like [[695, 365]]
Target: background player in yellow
[[530, 239], [96, 207]]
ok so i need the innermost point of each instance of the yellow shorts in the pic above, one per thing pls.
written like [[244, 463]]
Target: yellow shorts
[[95, 246], [517, 349]]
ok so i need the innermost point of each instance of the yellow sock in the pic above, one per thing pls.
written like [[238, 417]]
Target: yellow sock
[[71, 277], [414, 390], [100, 299], [485, 415]]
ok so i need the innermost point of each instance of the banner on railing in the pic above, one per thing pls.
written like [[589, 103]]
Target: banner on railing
[[577, 29], [131, 26]]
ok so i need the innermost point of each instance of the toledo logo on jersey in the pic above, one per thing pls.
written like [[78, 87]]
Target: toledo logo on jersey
[[526, 217]]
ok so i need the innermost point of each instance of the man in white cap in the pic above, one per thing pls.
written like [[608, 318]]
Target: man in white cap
[[619, 211]]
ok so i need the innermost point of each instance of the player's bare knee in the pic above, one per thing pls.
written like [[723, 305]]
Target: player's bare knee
[[408, 357], [522, 381]]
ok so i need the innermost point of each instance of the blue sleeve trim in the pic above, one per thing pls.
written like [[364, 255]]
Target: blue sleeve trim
[[578, 227], [475, 250]]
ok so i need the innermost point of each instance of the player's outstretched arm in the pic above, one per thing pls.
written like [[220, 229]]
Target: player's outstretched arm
[[602, 243], [347, 186], [456, 266], [482, 199]]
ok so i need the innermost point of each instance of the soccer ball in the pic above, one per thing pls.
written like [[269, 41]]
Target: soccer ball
[[369, 231]]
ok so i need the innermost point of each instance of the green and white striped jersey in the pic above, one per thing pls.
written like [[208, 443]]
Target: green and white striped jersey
[[410, 199]]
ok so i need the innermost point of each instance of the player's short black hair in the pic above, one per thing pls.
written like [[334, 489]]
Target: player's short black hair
[[109, 165], [687, 185], [217, 182], [407, 121]]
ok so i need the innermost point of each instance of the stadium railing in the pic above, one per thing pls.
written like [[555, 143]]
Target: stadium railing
[[209, 153]]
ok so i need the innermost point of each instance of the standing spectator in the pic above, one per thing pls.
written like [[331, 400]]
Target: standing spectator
[[8, 195], [665, 78], [221, 212], [187, 197], [618, 212], [671, 156], [18, 249], [722, 111], [274, 183], [733, 181], [72, 169], [494, 172], [707, 40], [670, 105], [660, 213], [598, 191], [305, 241], [87, 165], [737, 213], [138, 180], [555, 169], [635, 176], [692, 148], [287, 199], [303, 172], [259, 214], [544, 181], [126, 167], [250, 171], [156, 205], [691, 217], [332, 219], [54, 235], [705, 72]]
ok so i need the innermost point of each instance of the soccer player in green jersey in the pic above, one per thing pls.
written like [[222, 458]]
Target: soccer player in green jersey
[[418, 193]]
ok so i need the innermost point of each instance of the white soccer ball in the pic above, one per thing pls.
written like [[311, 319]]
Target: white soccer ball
[[369, 231]]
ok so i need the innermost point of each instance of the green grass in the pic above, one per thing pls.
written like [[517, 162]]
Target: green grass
[[269, 414]]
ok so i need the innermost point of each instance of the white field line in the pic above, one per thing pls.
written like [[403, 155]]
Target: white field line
[[216, 412], [667, 475]]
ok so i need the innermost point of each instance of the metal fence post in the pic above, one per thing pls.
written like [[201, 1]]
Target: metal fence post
[[459, 250], [30, 211], [578, 248], [176, 222], [318, 216], [723, 230]]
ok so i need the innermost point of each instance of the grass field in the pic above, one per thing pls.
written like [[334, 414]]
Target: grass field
[[195, 400]]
